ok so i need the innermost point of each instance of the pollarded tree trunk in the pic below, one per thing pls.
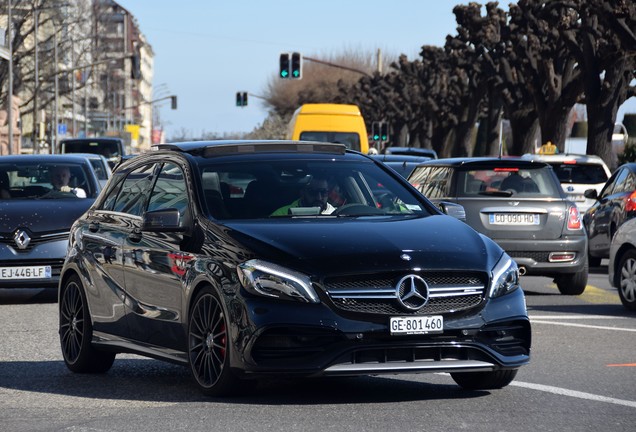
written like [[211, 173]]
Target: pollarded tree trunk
[[600, 127], [524, 127], [553, 122]]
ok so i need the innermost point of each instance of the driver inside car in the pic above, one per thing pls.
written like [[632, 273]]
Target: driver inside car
[[314, 194], [60, 178]]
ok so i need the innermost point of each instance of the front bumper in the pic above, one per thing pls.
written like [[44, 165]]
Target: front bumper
[[44, 253], [312, 340]]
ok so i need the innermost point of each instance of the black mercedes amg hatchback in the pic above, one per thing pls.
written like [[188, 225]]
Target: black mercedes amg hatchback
[[243, 259]]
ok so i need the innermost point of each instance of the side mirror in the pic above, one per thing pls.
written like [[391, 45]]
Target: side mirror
[[164, 220], [591, 194], [453, 209]]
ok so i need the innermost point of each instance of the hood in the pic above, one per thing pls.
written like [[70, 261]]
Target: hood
[[344, 245], [41, 215]]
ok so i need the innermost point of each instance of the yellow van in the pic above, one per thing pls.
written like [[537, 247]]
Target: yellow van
[[337, 123]]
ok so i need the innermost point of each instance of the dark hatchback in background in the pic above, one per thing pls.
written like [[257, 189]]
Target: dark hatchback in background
[[615, 205], [112, 148], [402, 164], [35, 220], [520, 205], [411, 151], [180, 259]]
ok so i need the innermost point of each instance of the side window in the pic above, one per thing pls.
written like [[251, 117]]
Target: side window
[[113, 191], [616, 184], [629, 184], [418, 177], [134, 191], [437, 183], [170, 190]]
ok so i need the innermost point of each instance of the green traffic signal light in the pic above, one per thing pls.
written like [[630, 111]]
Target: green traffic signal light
[[375, 131], [284, 65], [296, 65], [384, 131]]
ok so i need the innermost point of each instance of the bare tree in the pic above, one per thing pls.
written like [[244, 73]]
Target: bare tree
[[602, 39]]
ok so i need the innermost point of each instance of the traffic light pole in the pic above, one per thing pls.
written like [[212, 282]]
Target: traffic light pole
[[173, 99], [336, 66]]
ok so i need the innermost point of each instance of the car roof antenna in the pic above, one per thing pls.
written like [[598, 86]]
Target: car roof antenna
[[500, 134]]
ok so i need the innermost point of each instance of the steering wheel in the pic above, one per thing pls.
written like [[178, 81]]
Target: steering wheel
[[356, 209]]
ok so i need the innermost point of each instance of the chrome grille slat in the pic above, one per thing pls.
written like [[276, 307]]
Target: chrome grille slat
[[378, 295]]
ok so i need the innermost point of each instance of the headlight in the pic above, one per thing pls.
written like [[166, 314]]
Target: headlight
[[271, 280], [505, 277]]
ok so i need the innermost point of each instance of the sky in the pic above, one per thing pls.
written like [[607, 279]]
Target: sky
[[207, 50]]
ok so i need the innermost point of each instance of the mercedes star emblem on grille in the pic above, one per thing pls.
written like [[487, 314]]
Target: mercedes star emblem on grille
[[412, 292], [21, 239]]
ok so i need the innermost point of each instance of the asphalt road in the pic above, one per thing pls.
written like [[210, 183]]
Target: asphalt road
[[582, 377]]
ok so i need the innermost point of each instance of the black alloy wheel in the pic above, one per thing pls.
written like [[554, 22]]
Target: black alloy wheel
[[627, 280], [76, 332], [208, 340]]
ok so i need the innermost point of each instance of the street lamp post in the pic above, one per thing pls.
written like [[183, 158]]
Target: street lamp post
[[10, 89]]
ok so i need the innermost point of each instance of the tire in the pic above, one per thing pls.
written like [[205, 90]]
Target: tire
[[208, 346], [573, 283], [484, 380], [626, 280], [76, 332]]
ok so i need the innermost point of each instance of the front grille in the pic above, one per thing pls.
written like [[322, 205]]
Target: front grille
[[35, 239], [536, 256], [447, 292]]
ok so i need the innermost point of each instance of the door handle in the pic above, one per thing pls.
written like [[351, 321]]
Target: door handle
[[135, 235]]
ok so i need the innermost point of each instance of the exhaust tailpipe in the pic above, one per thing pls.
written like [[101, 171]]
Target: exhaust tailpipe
[[522, 270]]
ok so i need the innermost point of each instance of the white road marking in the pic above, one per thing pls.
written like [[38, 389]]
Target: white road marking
[[574, 393], [575, 317], [565, 392], [533, 321]]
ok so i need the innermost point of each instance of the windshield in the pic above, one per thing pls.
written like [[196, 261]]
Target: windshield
[[44, 180], [350, 139], [299, 188], [580, 173], [508, 181]]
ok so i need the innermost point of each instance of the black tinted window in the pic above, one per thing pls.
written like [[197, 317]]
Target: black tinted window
[[135, 191], [580, 173], [170, 190]]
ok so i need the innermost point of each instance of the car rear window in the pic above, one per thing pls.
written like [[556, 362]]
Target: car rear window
[[580, 173], [508, 181]]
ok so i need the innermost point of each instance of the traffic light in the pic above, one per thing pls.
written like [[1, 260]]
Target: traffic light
[[296, 65], [241, 99], [284, 65], [384, 131], [375, 131], [173, 102]]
